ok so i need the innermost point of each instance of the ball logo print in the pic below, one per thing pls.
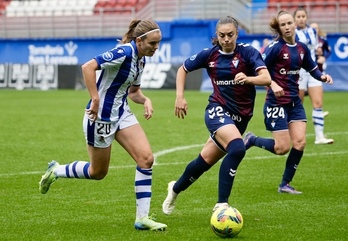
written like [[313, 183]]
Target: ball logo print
[[226, 222]]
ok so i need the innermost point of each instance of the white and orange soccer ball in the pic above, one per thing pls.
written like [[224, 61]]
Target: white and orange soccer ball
[[226, 222]]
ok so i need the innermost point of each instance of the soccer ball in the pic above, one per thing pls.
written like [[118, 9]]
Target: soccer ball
[[226, 222]]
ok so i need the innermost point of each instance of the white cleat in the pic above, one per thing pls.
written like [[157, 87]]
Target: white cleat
[[220, 205], [148, 223], [48, 178], [169, 203], [323, 141]]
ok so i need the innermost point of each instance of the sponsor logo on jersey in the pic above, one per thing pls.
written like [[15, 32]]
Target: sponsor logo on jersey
[[290, 72], [227, 82]]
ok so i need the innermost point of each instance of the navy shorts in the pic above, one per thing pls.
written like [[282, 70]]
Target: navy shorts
[[277, 118], [216, 116]]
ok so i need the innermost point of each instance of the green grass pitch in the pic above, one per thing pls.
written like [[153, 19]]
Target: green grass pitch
[[36, 127]]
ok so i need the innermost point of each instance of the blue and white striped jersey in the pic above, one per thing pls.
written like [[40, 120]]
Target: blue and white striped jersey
[[284, 62], [120, 68], [222, 69], [309, 37]]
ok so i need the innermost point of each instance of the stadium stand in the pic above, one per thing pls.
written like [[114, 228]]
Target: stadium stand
[[88, 18], [17, 8], [119, 6], [330, 14]]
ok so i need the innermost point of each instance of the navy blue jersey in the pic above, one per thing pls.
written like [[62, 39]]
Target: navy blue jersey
[[222, 69], [284, 62], [325, 47], [323, 50]]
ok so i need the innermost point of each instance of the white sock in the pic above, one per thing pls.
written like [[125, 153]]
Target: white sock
[[77, 169], [143, 184], [318, 122]]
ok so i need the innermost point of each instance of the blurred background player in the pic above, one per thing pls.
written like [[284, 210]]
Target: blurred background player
[[108, 117], [308, 35], [234, 69], [265, 43], [323, 50], [284, 114]]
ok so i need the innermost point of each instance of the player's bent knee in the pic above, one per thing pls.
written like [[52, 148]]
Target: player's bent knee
[[236, 148], [281, 150], [99, 175], [299, 145], [145, 161]]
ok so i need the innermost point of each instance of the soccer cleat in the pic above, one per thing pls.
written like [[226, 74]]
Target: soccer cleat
[[323, 140], [220, 205], [325, 113], [48, 178], [148, 223], [246, 140], [169, 203], [288, 189]]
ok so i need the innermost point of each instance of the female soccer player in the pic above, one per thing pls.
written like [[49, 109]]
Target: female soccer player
[[108, 117], [309, 36], [234, 69], [323, 50], [284, 114]]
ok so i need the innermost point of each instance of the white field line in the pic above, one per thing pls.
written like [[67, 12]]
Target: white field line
[[181, 148]]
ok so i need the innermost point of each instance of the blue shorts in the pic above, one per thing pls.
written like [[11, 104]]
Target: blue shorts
[[217, 116], [277, 118]]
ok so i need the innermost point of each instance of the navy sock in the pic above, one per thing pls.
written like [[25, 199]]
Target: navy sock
[[192, 172], [228, 169], [265, 143], [292, 162]]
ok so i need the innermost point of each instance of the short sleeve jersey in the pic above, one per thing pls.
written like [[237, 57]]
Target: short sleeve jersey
[[284, 62], [120, 68], [222, 69], [309, 37]]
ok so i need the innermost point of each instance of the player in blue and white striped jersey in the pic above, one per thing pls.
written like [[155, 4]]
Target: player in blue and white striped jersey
[[309, 36], [234, 69], [108, 117], [284, 114]]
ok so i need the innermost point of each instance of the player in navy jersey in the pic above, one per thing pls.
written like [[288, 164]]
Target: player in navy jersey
[[309, 36], [283, 110], [234, 69], [108, 117]]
